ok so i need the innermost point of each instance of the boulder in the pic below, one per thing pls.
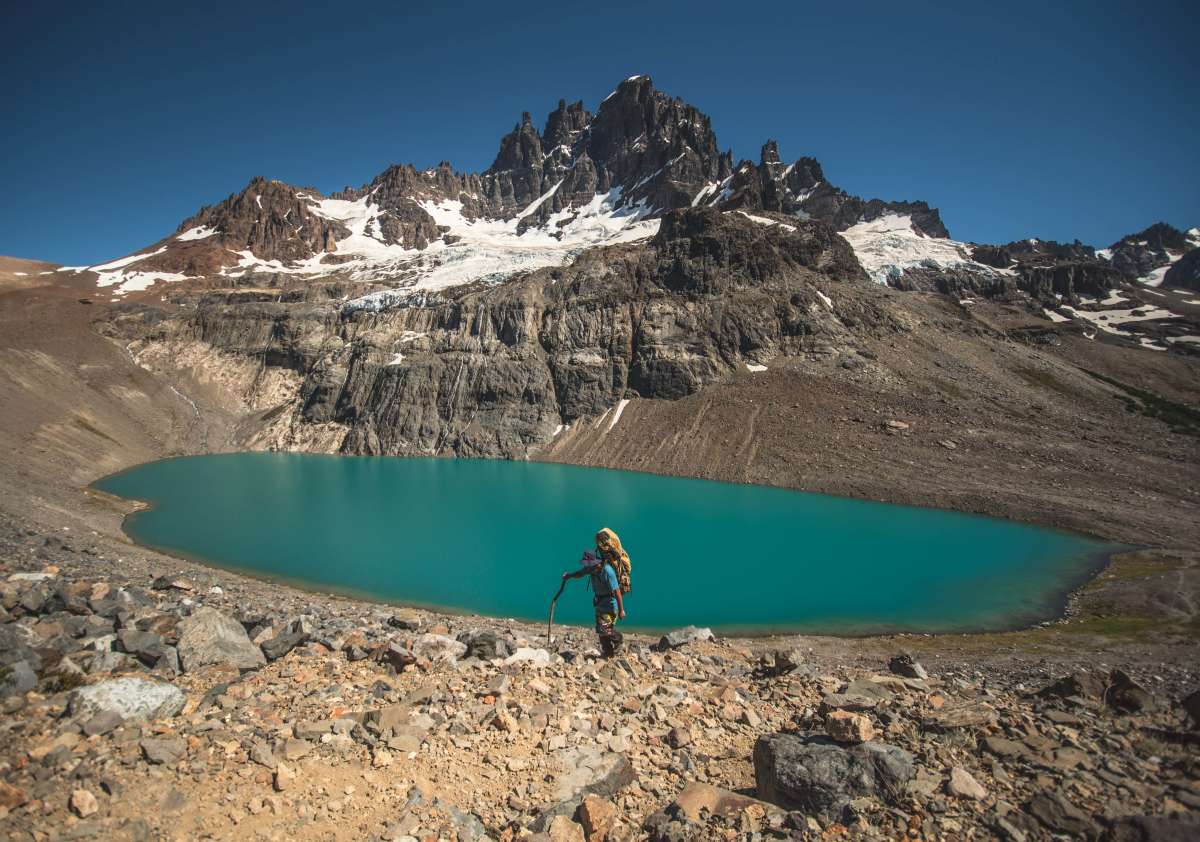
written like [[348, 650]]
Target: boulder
[[680, 637], [1191, 706], [562, 829], [294, 635], [11, 796], [597, 816], [963, 716], [133, 699], [848, 727], [587, 771], [163, 750], [962, 784], [147, 647], [83, 803], [397, 656], [786, 660], [1174, 827], [17, 678], [529, 654], [14, 646], [438, 647], [485, 645], [1080, 685], [405, 619], [905, 665], [210, 637], [820, 777], [697, 799], [1059, 815], [847, 701], [679, 737], [1126, 695]]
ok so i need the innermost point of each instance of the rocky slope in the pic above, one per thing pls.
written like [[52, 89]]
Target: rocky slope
[[198, 704]]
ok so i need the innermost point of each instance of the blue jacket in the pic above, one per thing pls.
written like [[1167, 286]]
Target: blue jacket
[[604, 587]]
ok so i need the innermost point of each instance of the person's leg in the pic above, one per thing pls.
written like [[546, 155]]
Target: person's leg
[[606, 633]]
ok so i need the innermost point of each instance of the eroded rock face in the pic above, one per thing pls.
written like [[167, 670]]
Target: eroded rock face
[[495, 371]]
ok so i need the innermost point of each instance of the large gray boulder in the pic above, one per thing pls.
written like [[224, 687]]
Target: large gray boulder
[[210, 637], [438, 647], [679, 637], [133, 699], [587, 771], [17, 678], [820, 777]]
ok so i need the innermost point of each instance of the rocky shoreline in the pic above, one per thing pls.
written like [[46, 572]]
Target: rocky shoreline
[[160, 699]]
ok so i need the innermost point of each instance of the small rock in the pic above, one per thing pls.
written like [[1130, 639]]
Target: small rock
[[11, 796], [963, 785], [679, 737], [849, 727], [163, 750], [562, 829], [102, 723], [504, 721], [83, 803], [285, 778], [597, 816]]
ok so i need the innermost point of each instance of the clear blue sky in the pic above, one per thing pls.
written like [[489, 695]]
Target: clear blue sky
[[1052, 119]]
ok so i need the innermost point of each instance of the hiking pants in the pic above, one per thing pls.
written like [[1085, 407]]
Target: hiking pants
[[610, 638]]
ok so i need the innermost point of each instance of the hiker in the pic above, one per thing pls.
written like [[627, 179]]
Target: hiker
[[606, 599]]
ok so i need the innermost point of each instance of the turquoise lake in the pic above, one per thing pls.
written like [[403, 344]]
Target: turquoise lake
[[492, 537]]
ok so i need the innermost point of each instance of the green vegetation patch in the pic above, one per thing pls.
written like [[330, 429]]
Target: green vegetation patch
[[1043, 379], [1179, 417]]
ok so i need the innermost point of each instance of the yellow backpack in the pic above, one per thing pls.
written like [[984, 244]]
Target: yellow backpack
[[611, 551]]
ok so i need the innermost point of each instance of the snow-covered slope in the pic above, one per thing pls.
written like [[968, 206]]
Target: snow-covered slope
[[889, 245]]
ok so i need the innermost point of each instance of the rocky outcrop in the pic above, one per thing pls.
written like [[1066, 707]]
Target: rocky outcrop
[[1185, 274], [496, 370], [1137, 255]]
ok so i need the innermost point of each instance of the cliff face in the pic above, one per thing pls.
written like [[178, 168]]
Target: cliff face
[[498, 370]]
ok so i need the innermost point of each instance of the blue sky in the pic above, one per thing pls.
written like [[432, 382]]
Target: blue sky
[[1054, 120]]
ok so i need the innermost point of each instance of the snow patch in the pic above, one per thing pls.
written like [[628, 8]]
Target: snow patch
[[617, 415], [121, 262], [1109, 320], [1055, 317], [197, 233], [1155, 278], [762, 220], [755, 367], [491, 250], [828, 301], [888, 246]]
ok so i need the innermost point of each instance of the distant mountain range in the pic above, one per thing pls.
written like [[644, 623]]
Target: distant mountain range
[[590, 179]]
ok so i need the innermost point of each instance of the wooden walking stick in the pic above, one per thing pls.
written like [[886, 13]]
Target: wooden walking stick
[[553, 602]]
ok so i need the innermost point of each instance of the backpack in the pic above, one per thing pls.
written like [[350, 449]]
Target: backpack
[[611, 551]]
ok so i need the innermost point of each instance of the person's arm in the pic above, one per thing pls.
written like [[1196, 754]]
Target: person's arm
[[620, 605], [575, 574]]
